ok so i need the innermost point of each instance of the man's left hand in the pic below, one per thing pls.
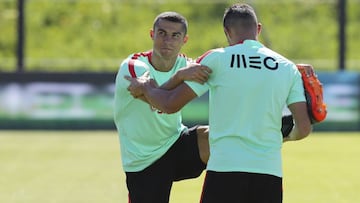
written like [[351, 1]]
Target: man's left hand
[[137, 85]]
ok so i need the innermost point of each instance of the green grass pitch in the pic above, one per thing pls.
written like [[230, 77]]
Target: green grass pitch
[[85, 167]]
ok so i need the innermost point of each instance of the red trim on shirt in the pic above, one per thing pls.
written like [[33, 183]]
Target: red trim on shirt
[[132, 68], [147, 54], [134, 58], [198, 60], [240, 42], [144, 54]]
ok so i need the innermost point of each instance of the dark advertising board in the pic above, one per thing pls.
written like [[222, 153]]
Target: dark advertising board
[[85, 101]]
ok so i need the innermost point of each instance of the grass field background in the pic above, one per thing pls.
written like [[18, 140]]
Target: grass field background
[[85, 167]]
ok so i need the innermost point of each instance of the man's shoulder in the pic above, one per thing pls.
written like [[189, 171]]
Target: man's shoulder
[[279, 57], [136, 64], [137, 57], [142, 56], [184, 58], [210, 53]]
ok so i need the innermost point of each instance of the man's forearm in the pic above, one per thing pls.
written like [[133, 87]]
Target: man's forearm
[[193, 72], [295, 135], [169, 101], [158, 97], [173, 82]]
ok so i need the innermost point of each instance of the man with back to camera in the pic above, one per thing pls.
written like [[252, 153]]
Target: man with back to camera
[[248, 88]]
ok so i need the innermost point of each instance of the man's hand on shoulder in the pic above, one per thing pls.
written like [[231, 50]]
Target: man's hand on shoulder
[[194, 72]]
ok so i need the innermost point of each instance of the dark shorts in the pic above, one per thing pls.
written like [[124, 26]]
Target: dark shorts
[[239, 187], [181, 161]]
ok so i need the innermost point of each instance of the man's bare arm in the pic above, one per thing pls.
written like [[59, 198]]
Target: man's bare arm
[[168, 101], [193, 72], [302, 127]]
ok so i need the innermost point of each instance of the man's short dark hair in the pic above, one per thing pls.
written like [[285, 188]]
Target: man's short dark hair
[[239, 12], [173, 17]]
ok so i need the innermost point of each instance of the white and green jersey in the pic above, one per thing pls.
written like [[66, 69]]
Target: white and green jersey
[[145, 133], [248, 90]]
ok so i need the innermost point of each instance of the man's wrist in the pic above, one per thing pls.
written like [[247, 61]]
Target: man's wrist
[[178, 77]]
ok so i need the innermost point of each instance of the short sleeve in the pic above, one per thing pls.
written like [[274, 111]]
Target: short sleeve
[[297, 90], [198, 88], [130, 67], [207, 59]]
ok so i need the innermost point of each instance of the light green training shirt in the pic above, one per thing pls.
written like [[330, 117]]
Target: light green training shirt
[[145, 134], [248, 90]]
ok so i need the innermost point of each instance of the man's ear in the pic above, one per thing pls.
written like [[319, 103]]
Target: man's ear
[[259, 27], [186, 38], [152, 34]]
